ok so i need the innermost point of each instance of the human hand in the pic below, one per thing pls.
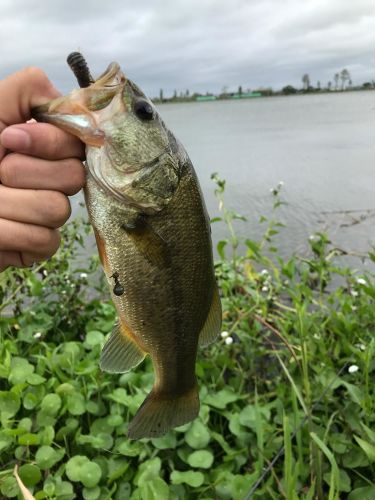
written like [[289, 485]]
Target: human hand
[[40, 166]]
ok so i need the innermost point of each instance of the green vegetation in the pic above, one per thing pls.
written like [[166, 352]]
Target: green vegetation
[[342, 82], [287, 392]]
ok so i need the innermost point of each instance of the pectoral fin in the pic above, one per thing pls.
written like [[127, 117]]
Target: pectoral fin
[[120, 353], [102, 252], [149, 243], [212, 326]]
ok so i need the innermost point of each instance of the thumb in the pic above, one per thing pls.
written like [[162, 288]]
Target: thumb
[[22, 91]]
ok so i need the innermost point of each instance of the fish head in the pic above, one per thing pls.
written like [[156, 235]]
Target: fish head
[[129, 150]]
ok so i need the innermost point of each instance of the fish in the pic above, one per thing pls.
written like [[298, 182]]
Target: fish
[[153, 236]]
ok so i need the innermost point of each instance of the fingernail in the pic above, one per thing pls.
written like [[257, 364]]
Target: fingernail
[[15, 138]]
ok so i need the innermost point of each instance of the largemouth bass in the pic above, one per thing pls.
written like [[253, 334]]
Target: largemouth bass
[[153, 235]]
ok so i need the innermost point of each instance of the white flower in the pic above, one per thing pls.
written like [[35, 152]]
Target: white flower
[[362, 347], [264, 272], [264, 288], [229, 340], [361, 281], [83, 275], [45, 272], [354, 293], [37, 335], [353, 368], [224, 335], [312, 237]]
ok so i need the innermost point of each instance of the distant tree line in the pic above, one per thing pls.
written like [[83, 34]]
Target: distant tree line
[[341, 81]]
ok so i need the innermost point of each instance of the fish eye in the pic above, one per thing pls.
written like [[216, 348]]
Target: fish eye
[[143, 110]]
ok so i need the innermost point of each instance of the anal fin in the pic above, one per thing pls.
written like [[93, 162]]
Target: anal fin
[[212, 325], [120, 353]]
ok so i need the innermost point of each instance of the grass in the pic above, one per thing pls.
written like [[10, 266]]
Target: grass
[[287, 392]]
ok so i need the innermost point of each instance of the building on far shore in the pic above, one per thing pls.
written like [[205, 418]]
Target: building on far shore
[[237, 95]]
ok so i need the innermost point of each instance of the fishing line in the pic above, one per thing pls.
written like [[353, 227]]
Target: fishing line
[[271, 465]]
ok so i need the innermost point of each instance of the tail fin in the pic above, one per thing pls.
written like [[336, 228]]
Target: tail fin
[[158, 414]]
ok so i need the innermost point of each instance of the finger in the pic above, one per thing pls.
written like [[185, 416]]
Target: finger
[[8, 259], [29, 238], [42, 208], [42, 140], [18, 259], [20, 171], [22, 91]]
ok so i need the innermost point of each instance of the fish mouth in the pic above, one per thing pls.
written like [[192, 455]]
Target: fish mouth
[[81, 111]]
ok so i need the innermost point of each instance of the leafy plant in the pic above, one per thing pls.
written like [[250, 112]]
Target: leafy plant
[[287, 398]]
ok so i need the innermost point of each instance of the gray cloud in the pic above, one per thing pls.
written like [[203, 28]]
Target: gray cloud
[[201, 45]]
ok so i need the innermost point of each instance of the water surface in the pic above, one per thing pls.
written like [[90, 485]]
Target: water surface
[[320, 146]]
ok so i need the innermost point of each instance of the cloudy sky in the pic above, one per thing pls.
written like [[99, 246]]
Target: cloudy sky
[[197, 44]]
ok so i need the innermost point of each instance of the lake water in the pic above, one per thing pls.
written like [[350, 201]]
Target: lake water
[[321, 146]]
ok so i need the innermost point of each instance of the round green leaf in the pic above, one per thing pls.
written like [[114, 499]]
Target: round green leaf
[[20, 369], [46, 457], [46, 435], [9, 404], [28, 439], [30, 474], [115, 420], [93, 407], [76, 404], [166, 442], [74, 465], [25, 423], [20, 452], [156, 488], [94, 338], [9, 487], [35, 379], [365, 493], [90, 474], [30, 401], [123, 491], [201, 458], [5, 440], [91, 493], [101, 425], [221, 399], [51, 404], [49, 486], [99, 441], [148, 470], [65, 388], [192, 478], [63, 488], [197, 436], [129, 448]]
